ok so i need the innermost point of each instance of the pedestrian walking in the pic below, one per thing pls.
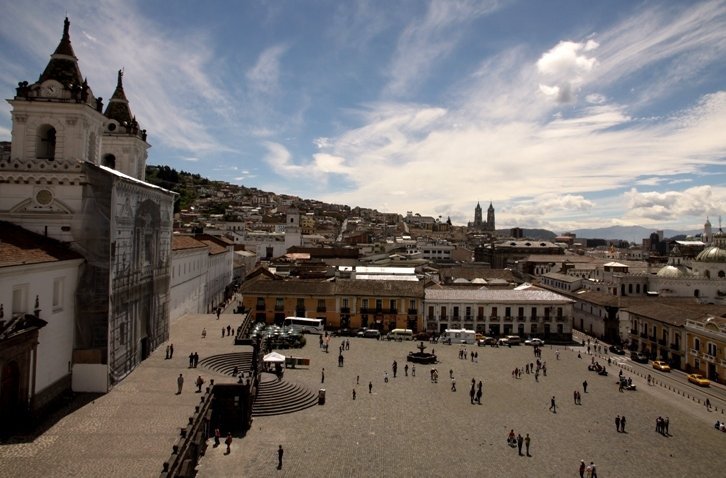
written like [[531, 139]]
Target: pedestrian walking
[[191, 360], [479, 392], [166, 357], [385, 377], [405, 369], [649, 379], [322, 375], [708, 404], [280, 452], [584, 386], [370, 387], [204, 333], [453, 386], [357, 379], [413, 370], [219, 311], [526, 444], [171, 350], [593, 470], [228, 442], [354, 394], [582, 468], [520, 442], [557, 354], [216, 437], [617, 423], [553, 405], [574, 396], [196, 359], [622, 424], [395, 368], [666, 423], [180, 384], [200, 382], [472, 393]]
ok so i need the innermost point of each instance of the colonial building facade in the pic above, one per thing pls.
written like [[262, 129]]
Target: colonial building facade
[[75, 173]]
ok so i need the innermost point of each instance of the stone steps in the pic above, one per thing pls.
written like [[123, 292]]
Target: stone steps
[[225, 363], [278, 397]]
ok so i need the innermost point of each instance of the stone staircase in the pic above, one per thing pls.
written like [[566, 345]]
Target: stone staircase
[[277, 397], [225, 363]]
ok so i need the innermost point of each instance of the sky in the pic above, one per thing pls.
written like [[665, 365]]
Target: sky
[[562, 114]]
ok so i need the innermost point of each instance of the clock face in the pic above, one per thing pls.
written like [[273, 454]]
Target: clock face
[[52, 91]]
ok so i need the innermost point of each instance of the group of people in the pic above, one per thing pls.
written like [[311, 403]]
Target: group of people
[[587, 471], [661, 426], [529, 368], [516, 441]]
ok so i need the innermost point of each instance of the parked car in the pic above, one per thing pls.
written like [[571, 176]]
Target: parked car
[[534, 342], [699, 380], [639, 357], [661, 365], [486, 341], [616, 349], [372, 334]]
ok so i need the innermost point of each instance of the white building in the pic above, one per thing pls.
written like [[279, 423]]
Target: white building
[[38, 278], [525, 312]]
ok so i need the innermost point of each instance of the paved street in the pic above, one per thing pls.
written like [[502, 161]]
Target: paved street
[[407, 427]]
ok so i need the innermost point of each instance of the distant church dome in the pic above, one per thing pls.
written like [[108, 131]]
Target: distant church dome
[[672, 272], [712, 254]]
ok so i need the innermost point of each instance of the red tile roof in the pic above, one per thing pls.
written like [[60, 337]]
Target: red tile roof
[[19, 246]]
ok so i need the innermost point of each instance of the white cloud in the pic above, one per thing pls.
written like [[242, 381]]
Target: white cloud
[[263, 77], [672, 205], [425, 40], [565, 68], [322, 143], [327, 163]]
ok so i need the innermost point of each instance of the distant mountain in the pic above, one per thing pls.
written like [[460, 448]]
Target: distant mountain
[[634, 234]]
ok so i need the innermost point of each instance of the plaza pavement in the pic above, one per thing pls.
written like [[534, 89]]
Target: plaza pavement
[[407, 427]]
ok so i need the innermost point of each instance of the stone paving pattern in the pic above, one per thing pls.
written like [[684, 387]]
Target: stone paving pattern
[[407, 427]]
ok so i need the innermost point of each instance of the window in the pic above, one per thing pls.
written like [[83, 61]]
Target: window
[[494, 312], [412, 304], [379, 305], [507, 311], [20, 299], [122, 333], [279, 303], [46, 143], [393, 305], [456, 312], [57, 294], [711, 349], [520, 312], [109, 160], [365, 303], [697, 344], [345, 302]]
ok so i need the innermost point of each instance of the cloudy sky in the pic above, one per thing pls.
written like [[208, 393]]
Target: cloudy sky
[[564, 114]]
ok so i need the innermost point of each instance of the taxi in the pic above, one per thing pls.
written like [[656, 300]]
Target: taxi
[[661, 365], [699, 380]]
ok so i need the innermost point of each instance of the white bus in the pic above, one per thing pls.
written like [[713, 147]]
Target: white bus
[[304, 325], [400, 334]]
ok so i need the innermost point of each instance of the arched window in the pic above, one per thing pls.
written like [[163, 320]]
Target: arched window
[[109, 160], [721, 274], [45, 148]]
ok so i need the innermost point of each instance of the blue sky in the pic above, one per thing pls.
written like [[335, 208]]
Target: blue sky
[[564, 114]]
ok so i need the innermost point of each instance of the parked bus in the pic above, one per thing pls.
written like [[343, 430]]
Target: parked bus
[[304, 325]]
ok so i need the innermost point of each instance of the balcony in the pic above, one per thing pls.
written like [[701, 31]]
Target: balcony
[[468, 318], [260, 308], [508, 318], [321, 309], [279, 308], [345, 310], [663, 342], [480, 318], [547, 318], [560, 318], [521, 318], [633, 332], [533, 318], [377, 311], [653, 338], [412, 311], [493, 317], [643, 335], [676, 347], [708, 358]]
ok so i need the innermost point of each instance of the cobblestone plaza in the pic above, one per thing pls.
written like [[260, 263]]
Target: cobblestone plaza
[[406, 427]]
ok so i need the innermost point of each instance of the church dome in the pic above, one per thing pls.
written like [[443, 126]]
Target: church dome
[[672, 272], [712, 254]]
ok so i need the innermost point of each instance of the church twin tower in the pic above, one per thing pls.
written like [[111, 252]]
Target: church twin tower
[[481, 225]]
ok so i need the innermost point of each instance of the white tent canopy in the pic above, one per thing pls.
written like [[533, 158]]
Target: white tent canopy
[[274, 357]]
